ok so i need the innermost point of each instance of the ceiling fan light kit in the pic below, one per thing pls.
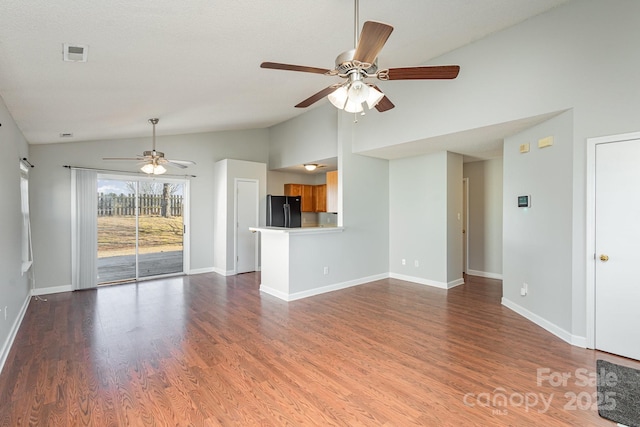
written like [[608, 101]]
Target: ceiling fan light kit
[[150, 168], [154, 161], [360, 63]]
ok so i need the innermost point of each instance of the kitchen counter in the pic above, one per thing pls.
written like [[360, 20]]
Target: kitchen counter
[[294, 260], [299, 230]]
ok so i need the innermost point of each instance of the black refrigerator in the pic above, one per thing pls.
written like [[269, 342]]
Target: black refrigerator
[[284, 211]]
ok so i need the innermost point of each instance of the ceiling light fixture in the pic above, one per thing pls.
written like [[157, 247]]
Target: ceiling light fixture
[[152, 168], [310, 167], [352, 95]]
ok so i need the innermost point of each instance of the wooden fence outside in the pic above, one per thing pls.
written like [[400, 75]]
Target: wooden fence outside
[[150, 204]]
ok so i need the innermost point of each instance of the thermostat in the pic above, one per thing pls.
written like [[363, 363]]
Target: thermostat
[[524, 201]]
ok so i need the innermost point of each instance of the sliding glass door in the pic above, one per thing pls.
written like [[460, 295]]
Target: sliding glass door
[[141, 228]]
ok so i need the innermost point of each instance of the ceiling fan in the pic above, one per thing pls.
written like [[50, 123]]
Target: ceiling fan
[[361, 63], [153, 161]]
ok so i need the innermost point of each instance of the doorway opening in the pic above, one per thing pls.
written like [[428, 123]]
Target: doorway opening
[[141, 228]]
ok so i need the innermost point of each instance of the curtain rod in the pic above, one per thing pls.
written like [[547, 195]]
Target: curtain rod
[[127, 172], [27, 162]]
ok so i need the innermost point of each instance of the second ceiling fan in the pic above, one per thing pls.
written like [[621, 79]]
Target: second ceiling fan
[[361, 63]]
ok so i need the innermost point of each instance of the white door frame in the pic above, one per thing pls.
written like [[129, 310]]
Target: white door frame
[[591, 227], [235, 220]]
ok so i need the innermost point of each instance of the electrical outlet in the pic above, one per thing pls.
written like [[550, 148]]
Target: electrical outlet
[[416, 263], [404, 261], [524, 290], [326, 270]]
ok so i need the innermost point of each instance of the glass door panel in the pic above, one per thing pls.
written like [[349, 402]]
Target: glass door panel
[[161, 228], [116, 231]]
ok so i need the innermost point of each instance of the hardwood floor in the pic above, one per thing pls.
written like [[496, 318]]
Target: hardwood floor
[[207, 350]]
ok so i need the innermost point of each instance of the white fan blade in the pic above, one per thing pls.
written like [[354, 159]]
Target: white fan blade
[[178, 165], [182, 162], [124, 158]]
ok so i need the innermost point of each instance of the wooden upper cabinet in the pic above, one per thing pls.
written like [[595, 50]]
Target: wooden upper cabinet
[[307, 198], [332, 191], [305, 192], [293, 189], [320, 198]]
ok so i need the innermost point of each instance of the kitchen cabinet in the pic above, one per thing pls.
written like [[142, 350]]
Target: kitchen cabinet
[[293, 189], [332, 191], [306, 193], [320, 198], [314, 197], [307, 198]]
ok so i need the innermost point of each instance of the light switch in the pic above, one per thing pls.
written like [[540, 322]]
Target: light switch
[[524, 148]]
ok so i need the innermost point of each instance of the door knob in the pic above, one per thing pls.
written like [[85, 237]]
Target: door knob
[[604, 258]]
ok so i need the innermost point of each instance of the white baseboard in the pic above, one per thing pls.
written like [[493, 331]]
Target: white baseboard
[[6, 347], [433, 283], [224, 272], [322, 289], [51, 290], [486, 274], [201, 270], [274, 292], [556, 330]]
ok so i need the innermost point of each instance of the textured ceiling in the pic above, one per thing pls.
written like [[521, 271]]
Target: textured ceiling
[[195, 63]]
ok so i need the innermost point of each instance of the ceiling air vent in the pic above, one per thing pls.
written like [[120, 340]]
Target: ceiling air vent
[[75, 52]]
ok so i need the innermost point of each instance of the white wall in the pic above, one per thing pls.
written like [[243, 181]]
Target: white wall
[[14, 286], [485, 217], [528, 255], [425, 196], [454, 219], [52, 200], [220, 217], [581, 56], [304, 139], [418, 217]]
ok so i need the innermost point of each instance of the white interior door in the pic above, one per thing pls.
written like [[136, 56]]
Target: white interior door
[[246, 216], [617, 248]]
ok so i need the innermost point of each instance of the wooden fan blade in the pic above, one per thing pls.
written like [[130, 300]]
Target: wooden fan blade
[[385, 103], [372, 38], [318, 96], [289, 67], [428, 72]]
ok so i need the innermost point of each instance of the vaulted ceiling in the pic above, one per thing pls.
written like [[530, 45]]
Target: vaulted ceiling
[[195, 63]]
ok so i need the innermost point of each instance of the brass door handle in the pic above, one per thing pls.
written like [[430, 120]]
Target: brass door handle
[[604, 258]]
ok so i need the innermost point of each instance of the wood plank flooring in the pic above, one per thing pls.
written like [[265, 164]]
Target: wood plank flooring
[[207, 350]]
